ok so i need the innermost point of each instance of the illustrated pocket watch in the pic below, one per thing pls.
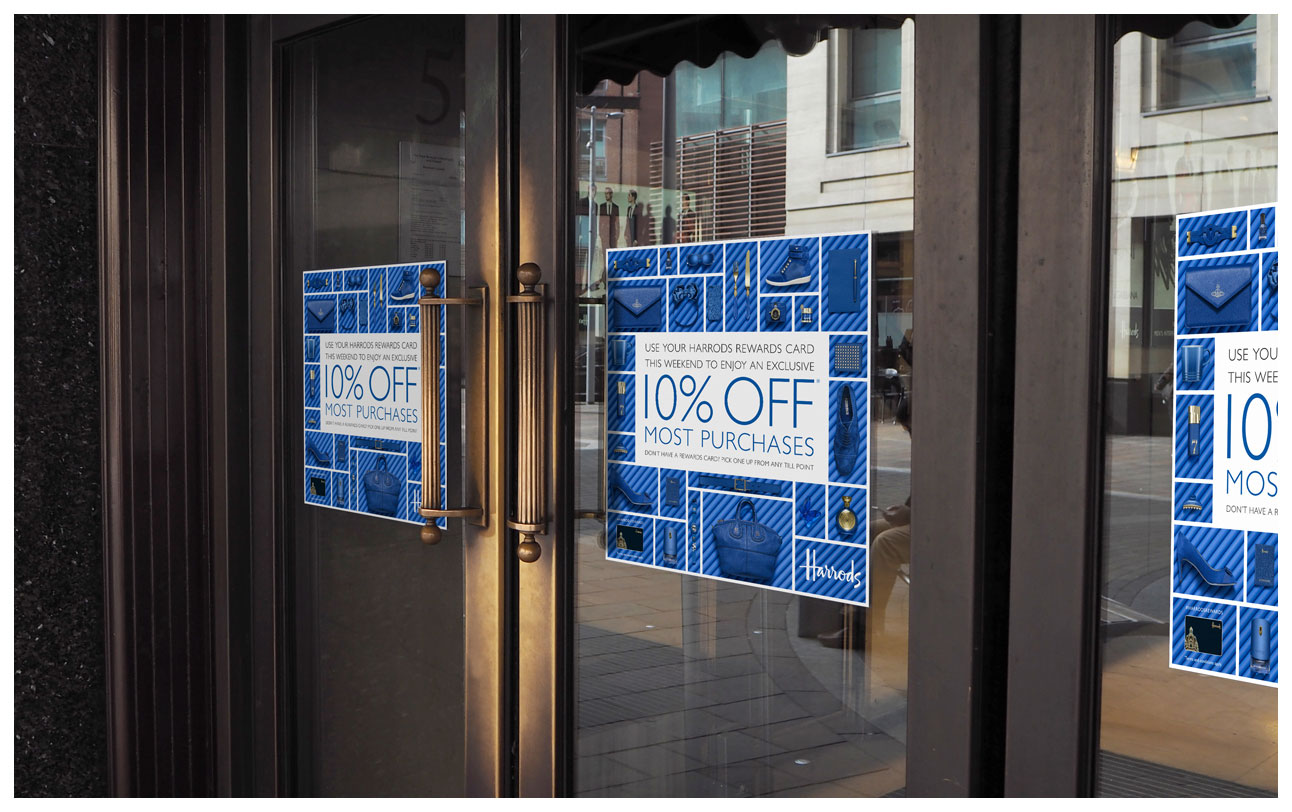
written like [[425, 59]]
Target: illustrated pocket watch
[[845, 518]]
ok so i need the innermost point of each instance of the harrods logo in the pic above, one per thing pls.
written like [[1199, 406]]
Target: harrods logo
[[812, 571]]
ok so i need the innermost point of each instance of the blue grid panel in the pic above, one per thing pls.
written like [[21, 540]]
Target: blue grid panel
[[444, 419], [770, 304], [812, 497], [312, 386], [1221, 549], [645, 524], [742, 308], [716, 293], [318, 282], [415, 461], [1265, 595], [846, 322], [861, 407], [341, 447], [364, 311], [623, 354], [627, 263], [1256, 240], [772, 256], [699, 258], [835, 571], [1225, 662], [311, 349], [662, 528], [376, 301], [322, 444], [686, 304], [621, 447], [396, 464], [812, 303], [340, 490], [641, 480], [694, 534], [336, 317], [414, 500], [1199, 492], [347, 320], [835, 341], [857, 505], [1269, 293], [355, 279], [615, 326], [1245, 636], [677, 511], [322, 475], [1248, 261], [1207, 371], [773, 513], [668, 260], [1197, 467], [1190, 229], [311, 418]]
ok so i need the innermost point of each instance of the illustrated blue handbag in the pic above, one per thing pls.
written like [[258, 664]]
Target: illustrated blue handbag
[[746, 549], [1217, 297], [843, 269], [320, 316], [382, 489], [638, 308]]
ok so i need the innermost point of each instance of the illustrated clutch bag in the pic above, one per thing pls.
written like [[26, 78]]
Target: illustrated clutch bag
[[1264, 565], [1217, 297], [843, 269], [320, 316], [637, 308], [382, 489], [747, 549]]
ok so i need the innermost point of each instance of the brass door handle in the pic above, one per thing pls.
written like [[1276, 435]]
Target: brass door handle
[[432, 496], [530, 519]]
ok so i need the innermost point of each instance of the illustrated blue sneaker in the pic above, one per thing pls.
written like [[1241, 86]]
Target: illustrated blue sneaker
[[406, 289], [794, 271], [847, 437], [1186, 553]]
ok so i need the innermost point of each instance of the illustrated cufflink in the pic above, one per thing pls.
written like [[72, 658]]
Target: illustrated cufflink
[[774, 315]]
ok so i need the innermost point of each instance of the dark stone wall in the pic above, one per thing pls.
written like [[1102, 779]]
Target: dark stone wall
[[60, 726]]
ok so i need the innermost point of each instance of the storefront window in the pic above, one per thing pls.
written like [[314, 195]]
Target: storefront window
[[732, 92], [870, 113], [1201, 65]]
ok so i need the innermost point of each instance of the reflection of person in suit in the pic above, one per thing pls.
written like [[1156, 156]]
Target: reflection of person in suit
[[686, 221], [609, 220], [633, 220]]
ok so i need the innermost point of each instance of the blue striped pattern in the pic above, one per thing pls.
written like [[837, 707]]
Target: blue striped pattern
[[414, 456], [323, 443], [846, 322], [672, 511], [1269, 294], [690, 259], [814, 497], [622, 256], [312, 418], [782, 325], [615, 402], [318, 282], [375, 444], [621, 447], [647, 526], [340, 490], [1200, 492], [342, 450], [773, 513], [1245, 618], [1254, 241], [694, 532], [1266, 595], [1221, 549], [629, 363], [741, 310], [444, 418], [1246, 261], [305, 311], [312, 386], [377, 304], [347, 319], [311, 348], [1198, 467], [858, 505], [614, 326], [836, 340], [662, 528], [640, 479], [1187, 246], [772, 255], [1226, 661], [686, 315], [1207, 379], [396, 464], [668, 260], [835, 571], [813, 303], [354, 279], [713, 287], [861, 407]]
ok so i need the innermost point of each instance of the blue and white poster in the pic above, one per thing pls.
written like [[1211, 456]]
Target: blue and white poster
[[363, 389], [1226, 478], [737, 411]]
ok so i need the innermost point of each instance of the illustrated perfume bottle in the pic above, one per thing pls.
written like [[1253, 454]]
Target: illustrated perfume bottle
[[1260, 646], [1261, 232], [845, 518], [1195, 427], [670, 546]]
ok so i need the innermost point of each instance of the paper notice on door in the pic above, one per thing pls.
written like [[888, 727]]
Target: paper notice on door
[[431, 223]]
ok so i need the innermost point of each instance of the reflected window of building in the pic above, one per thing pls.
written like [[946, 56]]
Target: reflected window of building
[[870, 81], [732, 92], [1202, 65]]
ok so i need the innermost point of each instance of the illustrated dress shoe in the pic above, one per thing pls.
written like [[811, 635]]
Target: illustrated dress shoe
[[616, 482], [406, 289], [320, 458], [794, 271], [847, 436], [1186, 553]]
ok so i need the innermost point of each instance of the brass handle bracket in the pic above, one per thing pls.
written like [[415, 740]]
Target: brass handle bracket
[[432, 492], [530, 519]]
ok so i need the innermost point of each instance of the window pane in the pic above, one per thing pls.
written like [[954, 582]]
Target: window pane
[[871, 122], [1205, 65], [699, 98], [875, 62], [754, 89]]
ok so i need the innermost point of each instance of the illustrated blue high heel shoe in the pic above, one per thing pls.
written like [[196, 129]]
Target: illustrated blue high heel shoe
[[1186, 553], [320, 458], [614, 481], [847, 439]]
